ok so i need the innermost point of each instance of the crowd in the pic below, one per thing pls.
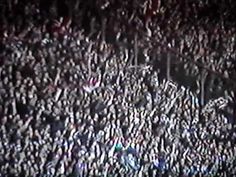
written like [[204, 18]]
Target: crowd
[[73, 102]]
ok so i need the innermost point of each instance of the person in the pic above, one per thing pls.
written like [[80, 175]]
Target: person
[[62, 86]]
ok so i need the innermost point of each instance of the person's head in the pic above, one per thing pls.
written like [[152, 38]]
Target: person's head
[[4, 120]]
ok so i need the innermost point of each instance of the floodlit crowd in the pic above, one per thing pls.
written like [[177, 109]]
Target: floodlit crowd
[[76, 102]]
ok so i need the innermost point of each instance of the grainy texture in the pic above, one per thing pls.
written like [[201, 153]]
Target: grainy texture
[[80, 97]]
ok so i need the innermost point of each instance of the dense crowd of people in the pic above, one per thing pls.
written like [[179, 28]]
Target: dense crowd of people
[[74, 101]]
